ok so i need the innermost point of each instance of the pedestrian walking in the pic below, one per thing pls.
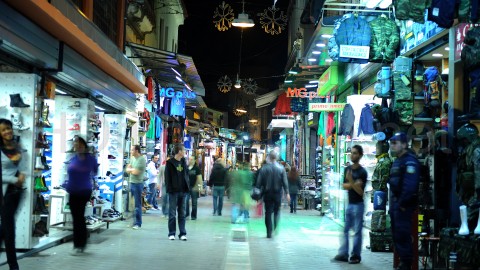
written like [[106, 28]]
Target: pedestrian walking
[[196, 184], [294, 185], [218, 180], [136, 169], [152, 172]]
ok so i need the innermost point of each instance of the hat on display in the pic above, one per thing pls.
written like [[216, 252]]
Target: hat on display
[[399, 137], [379, 136]]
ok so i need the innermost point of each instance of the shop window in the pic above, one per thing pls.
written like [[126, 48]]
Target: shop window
[[105, 17]]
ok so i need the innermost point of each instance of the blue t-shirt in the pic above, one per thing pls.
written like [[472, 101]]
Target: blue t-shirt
[[177, 107], [80, 172], [158, 127]]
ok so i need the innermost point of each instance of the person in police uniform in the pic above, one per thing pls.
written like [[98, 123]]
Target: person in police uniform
[[404, 181]]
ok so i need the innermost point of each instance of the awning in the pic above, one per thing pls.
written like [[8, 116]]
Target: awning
[[267, 99], [160, 64]]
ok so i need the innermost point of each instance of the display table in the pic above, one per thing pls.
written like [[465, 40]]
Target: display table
[[467, 248]]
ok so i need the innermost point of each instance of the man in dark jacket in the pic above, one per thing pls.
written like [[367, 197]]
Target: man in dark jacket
[[176, 180], [272, 178], [218, 180]]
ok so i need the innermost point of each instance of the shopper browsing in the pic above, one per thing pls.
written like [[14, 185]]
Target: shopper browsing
[[354, 181], [152, 171], [196, 184], [11, 188], [176, 180], [136, 170], [79, 186]]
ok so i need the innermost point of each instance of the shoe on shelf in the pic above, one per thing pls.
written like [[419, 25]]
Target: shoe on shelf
[[74, 127], [136, 227], [111, 157], [183, 238], [171, 237], [341, 258]]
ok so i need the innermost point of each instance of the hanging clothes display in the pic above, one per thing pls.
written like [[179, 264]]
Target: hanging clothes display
[[283, 105], [151, 126], [177, 107], [346, 121], [150, 86], [333, 49], [165, 105], [330, 122], [353, 31], [158, 127], [411, 10], [321, 125], [384, 41], [366, 121]]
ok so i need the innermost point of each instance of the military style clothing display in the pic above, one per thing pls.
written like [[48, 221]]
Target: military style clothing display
[[385, 40], [411, 10]]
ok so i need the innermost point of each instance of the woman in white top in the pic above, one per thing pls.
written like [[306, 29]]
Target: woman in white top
[[152, 172], [12, 188]]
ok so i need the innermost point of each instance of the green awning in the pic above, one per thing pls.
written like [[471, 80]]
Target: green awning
[[330, 80]]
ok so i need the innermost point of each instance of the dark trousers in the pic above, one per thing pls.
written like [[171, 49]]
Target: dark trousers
[[176, 201], [7, 227], [293, 202], [194, 196], [402, 233], [77, 206], [272, 206]]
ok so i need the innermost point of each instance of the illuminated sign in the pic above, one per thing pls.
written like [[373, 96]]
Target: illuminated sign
[[326, 107], [302, 93], [170, 92], [351, 51]]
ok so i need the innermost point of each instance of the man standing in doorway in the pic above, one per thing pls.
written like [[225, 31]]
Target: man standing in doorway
[[272, 178], [152, 170], [176, 180], [355, 180], [136, 170], [404, 181]]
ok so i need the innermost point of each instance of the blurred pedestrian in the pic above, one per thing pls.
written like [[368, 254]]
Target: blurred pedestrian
[[218, 180], [152, 172], [241, 185], [272, 179], [163, 194], [355, 180], [136, 169], [176, 179], [294, 185], [196, 184], [11, 188], [79, 186]]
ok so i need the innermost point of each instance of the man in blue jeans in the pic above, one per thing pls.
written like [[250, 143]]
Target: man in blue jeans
[[218, 181], [136, 170], [355, 179], [176, 180]]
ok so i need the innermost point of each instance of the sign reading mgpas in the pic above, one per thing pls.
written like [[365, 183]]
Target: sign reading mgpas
[[460, 33], [302, 93], [326, 107], [170, 92]]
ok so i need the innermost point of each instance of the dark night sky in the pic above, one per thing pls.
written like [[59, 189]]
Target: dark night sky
[[216, 53]]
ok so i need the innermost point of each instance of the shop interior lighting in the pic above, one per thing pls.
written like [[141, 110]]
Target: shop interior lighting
[[288, 81], [188, 87], [321, 45], [312, 59], [316, 52], [176, 72], [242, 110], [253, 120], [242, 20], [385, 4], [99, 108], [245, 137], [60, 92], [447, 48], [329, 60], [437, 55], [326, 36], [311, 85], [315, 81], [372, 3], [295, 70], [238, 84]]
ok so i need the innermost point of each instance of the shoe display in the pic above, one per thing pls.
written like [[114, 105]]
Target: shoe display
[[73, 116], [171, 237], [16, 101], [75, 127], [17, 122], [44, 119], [183, 238], [74, 105], [111, 157]]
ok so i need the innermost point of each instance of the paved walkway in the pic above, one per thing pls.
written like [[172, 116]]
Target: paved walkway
[[304, 241]]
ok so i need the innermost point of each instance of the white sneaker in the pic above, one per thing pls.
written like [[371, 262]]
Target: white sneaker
[[183, 238], [136, 227], [76, 252], [171, 237]]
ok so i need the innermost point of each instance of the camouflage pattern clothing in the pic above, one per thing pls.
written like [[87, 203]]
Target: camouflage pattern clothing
[[381, 172], [411, 10], [405, 112], [468, 178], [471, 51], [464, 10], [385, 40], [402, 91]]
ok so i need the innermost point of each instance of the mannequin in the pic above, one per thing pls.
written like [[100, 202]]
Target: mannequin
[[468, 173]]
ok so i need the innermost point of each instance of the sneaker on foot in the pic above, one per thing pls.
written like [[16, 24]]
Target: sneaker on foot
[[354, 259], [136, 227], [76, 252], [171, 237], [183, 238], [341, 258]]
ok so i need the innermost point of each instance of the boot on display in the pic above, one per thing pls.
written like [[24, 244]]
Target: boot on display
[[38, 163], [463, 216], [17, 102], [45, 112], [44, 162], [17, 122]]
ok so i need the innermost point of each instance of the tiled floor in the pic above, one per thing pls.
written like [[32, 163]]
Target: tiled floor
[[304, 241]]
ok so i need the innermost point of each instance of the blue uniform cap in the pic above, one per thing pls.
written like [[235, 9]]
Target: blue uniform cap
[[399, 137]]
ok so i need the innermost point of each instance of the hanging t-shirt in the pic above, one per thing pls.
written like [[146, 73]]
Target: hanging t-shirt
[[321, 124], [166, 106], [177, 107], [187, 141], [151, 127], [149, 84], [330, 122], [158, 127]]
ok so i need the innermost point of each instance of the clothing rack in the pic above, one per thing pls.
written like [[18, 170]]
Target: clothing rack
[[351, 8]]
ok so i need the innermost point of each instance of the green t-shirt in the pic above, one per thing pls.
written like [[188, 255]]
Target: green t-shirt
[[140, 164]]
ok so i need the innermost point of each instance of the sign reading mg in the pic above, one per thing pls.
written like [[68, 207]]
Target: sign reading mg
[[302, 93], [170, 92]]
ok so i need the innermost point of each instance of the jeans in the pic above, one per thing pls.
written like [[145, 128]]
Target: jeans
[[353, 220], [136, 189], [218, 192], [7, 227], [176, 200], [194, 196], [293, 203], [272, 206], [77, 206], [402, 230], [164, 201], [152, 197]]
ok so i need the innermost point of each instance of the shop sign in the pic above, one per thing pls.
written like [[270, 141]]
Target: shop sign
[[312, 119], [170, 92], [351, 51], [413, 34], [460, 33], [302, 93], [330, 80], [326, 107]]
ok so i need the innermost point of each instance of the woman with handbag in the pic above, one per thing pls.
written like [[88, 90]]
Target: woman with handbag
[[12, 188]]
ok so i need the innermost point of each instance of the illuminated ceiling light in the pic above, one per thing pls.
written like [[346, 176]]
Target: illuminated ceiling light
[[188, 87], [329, 60], [179, 79], [437, 55], [385, 4], [176, 72], [60, 92], [321, 45], [288, 81], [99, 108], [446, 71], [316, 52], [447, 48], [313, 82], [326, 36], [372, 3], [243, 21], [295, 70], [311, 85], [238, 84], [312, 59], [253, 120], [241, 110]]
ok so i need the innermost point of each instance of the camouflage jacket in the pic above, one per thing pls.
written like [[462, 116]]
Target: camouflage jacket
[[385, 40], [471, 51], [411, 9], [381, 172], [467, 178]]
